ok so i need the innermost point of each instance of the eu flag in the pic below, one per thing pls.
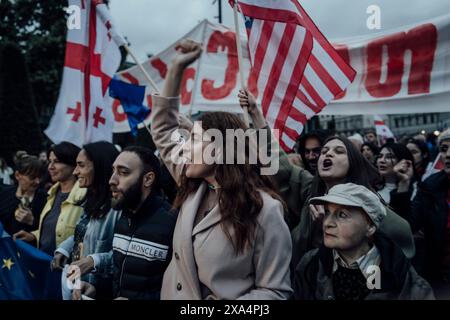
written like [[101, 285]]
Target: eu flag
[[131, 97], [25, 272]]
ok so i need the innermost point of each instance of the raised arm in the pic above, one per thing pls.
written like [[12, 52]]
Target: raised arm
[[246, 99], [294, 182], [165, 120]]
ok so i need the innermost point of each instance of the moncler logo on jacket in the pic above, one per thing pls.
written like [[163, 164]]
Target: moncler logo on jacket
[[139, 248]]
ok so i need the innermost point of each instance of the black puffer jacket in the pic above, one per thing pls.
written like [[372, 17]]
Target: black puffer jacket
[[428, 211], [142, 248]]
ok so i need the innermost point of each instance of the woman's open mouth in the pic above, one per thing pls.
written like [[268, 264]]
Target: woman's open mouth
[[326, 164]]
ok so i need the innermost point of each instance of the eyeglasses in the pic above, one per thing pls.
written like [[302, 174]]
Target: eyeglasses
[[443, 148]]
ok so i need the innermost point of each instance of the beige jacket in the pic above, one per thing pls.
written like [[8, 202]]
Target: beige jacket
[[204, 264], [69, 216]]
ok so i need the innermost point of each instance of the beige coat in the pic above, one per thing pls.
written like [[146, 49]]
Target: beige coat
[[204, 264]]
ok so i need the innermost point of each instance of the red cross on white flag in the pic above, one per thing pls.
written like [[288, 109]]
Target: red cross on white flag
[[76, 112], [383, 131], [83, 112]]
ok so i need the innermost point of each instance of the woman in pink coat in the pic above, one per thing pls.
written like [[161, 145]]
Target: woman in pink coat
[[230, 240]]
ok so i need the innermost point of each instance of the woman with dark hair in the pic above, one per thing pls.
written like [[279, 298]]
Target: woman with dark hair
[[231, 219], [91, 245], [62, 210], [339, 162], [21, 205], [370, 152], [345, 164], [421, 155], [393, 156]]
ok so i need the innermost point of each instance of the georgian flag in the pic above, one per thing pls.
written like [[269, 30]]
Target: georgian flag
[[383, 131], [83, 113]]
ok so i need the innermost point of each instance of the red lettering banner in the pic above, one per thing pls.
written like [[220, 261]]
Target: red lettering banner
[[406, 70]]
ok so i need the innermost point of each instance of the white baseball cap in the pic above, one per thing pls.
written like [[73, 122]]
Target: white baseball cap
[[354, 195]]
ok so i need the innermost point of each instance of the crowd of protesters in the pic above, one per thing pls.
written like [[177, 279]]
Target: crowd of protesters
[[342, 218]]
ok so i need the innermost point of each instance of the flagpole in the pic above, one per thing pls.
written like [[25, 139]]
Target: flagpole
[[376, 133], [146, 127], [240, 59], [197, 73], [147, 76], [120, 41]]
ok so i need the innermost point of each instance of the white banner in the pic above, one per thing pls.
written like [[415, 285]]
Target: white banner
[[405, 70], [210, 84]]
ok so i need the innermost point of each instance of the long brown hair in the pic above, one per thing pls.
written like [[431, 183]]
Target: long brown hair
[[239, 197]]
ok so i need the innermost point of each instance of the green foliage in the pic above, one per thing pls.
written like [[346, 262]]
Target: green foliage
[[39, 29], [18, 117]]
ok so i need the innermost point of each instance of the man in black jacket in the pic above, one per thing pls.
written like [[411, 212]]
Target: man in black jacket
[[142, 244]]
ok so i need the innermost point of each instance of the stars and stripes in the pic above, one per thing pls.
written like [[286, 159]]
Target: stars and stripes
[[296, 69]]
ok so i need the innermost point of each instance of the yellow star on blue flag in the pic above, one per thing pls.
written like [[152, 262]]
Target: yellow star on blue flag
[[25, 272], [7, 263]]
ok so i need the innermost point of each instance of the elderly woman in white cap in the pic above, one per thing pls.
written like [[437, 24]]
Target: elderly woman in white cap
[[355, 262]]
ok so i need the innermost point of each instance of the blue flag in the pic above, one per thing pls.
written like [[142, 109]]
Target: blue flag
[[25, 272], [131, 97]]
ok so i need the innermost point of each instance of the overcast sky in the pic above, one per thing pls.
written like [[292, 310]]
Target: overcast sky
[[152, 25]]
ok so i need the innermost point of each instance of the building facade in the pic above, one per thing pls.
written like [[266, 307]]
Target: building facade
[[400, 124]]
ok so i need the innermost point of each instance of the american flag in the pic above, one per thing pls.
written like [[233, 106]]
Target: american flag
[[295, 70]]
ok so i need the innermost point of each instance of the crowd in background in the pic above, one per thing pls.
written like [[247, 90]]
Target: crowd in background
[[339, 213]]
